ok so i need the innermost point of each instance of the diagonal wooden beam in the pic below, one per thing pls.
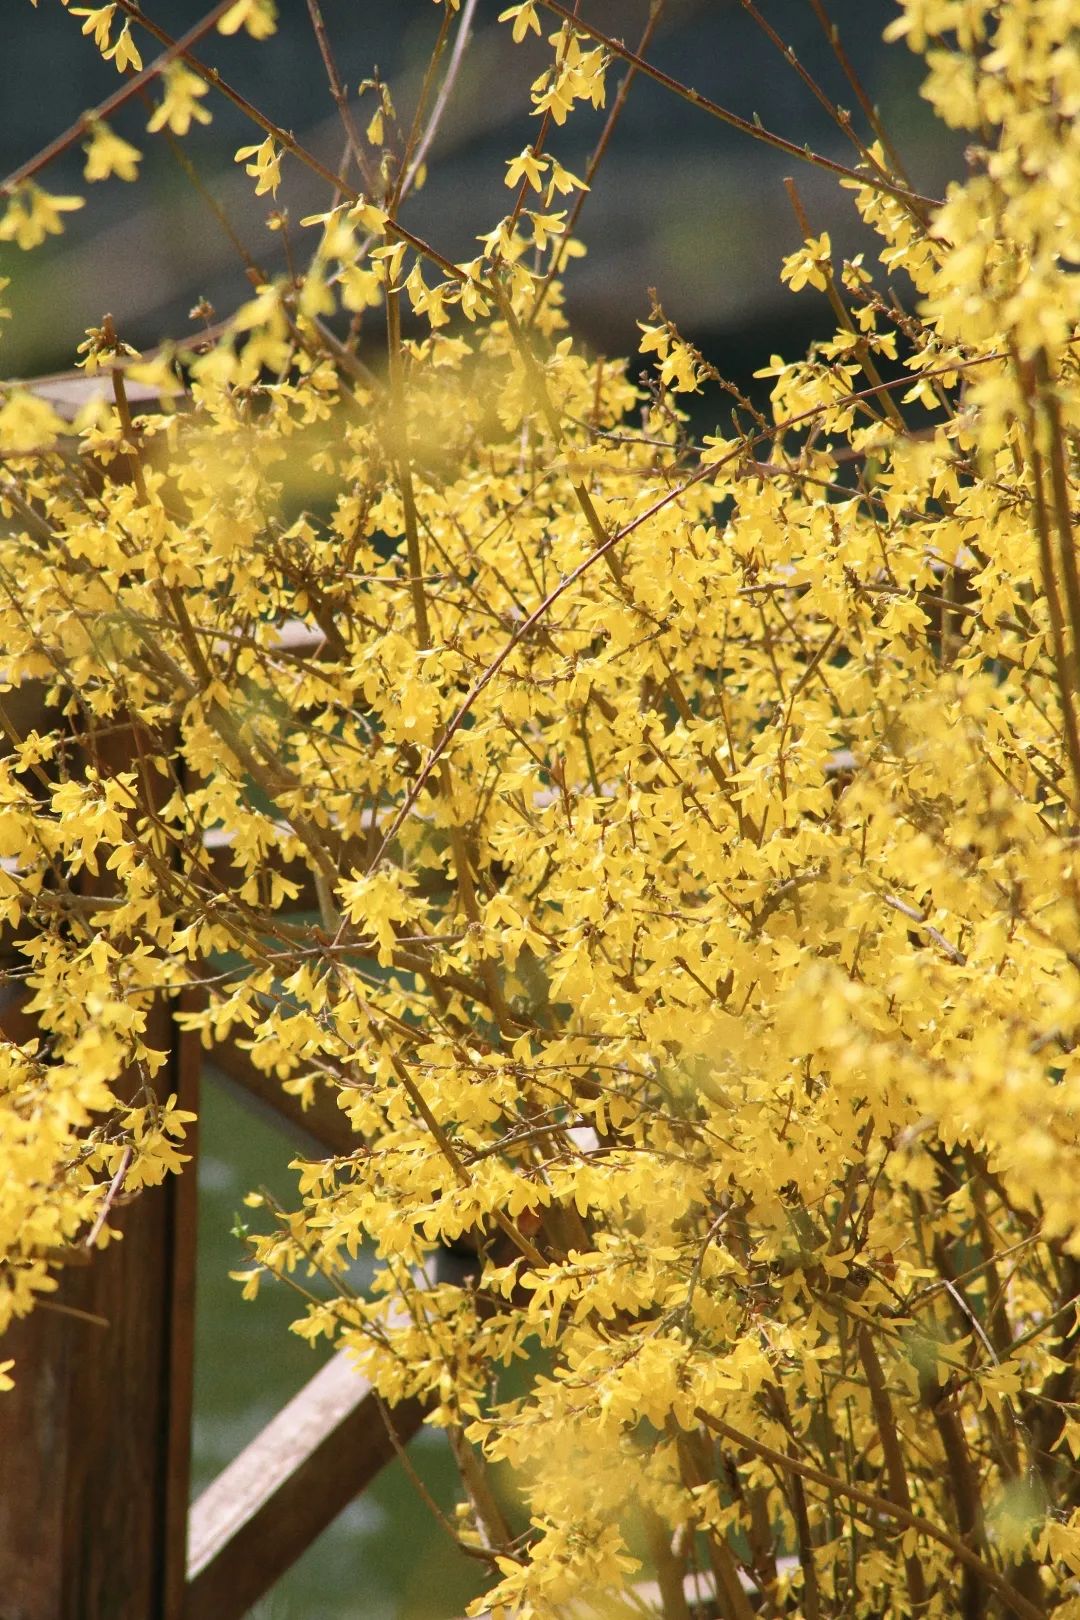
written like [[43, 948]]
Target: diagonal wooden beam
[[270, 1503]]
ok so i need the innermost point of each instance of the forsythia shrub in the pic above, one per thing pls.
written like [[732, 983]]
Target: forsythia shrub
[[687, 833]]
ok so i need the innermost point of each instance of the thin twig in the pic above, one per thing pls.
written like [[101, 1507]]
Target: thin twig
[[338, 91], [918, 918], [104, 109], [527, 626], [442, 100], [282, 137], [870, 112], [841, 119], [110, 1197], [756, 131], [878, 1504]]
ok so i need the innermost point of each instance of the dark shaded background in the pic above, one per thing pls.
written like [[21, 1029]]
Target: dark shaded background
[[683, 204]]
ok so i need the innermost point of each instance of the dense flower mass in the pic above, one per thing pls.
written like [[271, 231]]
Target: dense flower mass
[[665, 850]]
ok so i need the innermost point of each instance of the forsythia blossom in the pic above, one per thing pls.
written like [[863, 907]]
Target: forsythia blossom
[[660, 847]]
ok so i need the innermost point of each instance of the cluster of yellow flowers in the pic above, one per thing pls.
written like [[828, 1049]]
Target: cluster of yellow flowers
[[667, 851]]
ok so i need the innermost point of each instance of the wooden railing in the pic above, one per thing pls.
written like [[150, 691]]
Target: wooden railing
[[95, 1437]]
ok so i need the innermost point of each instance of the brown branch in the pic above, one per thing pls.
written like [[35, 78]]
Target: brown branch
[[284, 139], [870, 112], [1065, 665], [841, 119], [893, 1454], [919, 919], [527, 626], [110, 1198], [1059, 485], [1016, 1603], [757, 132], [104, 109], [453, 67], [337, 89]]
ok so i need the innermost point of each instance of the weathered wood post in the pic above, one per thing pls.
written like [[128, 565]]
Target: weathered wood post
[[95, 1437]]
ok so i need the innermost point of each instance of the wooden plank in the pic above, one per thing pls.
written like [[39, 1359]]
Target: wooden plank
[[185, 1068], [95, 1437], [85, 1435], [268, 1506]]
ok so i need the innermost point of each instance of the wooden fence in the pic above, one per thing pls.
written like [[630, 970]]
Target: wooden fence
[[95, 1439]]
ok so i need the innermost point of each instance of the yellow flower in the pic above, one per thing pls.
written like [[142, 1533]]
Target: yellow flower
[[108, 154], [27, 422], [809, 264], [563, 181], [124, 53], [180, 103], [33, 214], [259, 17], [524, 16], [265, 166], [528, 166], [679, 370], [98, 22], [545, 225], [367, 215]]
